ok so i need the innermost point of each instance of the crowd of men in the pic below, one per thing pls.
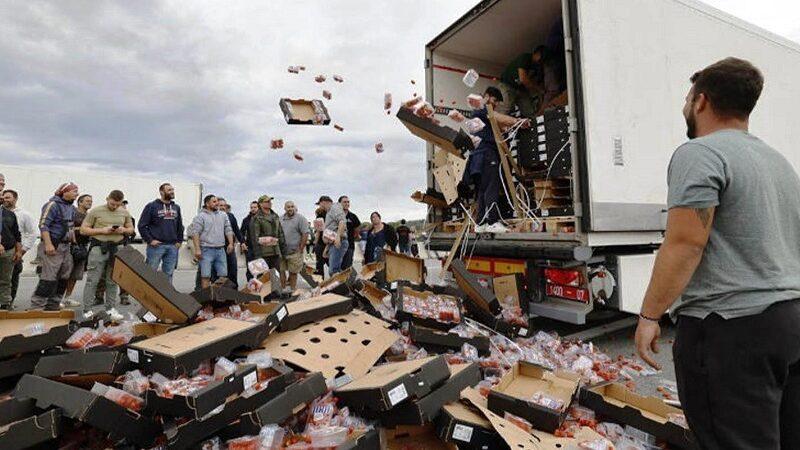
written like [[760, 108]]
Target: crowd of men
[[77, 237]]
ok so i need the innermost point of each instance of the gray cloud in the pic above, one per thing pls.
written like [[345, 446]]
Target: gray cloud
[[190, 89]]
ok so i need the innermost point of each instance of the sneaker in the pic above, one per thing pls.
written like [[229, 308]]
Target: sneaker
[[115, 315], [70, 303]]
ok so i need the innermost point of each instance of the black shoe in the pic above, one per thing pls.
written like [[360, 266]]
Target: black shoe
[[5, 307]]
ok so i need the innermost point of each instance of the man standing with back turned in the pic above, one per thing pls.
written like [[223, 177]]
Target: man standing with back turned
[[730, 250]]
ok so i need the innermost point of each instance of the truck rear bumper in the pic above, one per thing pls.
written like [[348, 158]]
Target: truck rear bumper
[[512, 245]]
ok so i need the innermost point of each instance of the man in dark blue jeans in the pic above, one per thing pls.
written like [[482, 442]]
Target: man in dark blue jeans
[[232, 260], [161, 227]]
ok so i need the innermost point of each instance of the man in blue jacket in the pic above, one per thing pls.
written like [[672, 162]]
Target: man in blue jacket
[[56, 227], [161, 227]]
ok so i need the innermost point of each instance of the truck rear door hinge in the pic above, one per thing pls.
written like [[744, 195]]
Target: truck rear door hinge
[[573, 125]]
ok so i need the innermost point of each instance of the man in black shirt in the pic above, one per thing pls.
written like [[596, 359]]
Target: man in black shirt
[[10, 253], [233, 272], [353, 223], [247, 240], [404, 237]]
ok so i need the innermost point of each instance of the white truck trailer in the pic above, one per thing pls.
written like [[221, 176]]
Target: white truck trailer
[[628, 68], [36, 185]]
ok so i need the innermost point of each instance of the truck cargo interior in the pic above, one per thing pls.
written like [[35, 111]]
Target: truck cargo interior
[[541, 197]]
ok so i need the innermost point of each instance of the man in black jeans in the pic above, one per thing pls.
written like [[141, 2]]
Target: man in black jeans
[[730, 253], [247, 241], [353, 223], [233, 263]]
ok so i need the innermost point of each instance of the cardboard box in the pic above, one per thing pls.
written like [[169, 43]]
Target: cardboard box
[[59, 326], [198, 404], [223, 293], [180, 351], [370, 270], [189, 433], [302, 112], [425, 409], [649, 414], [403, 267], [388, 385], [404, 292], [413, 437], [370, 440], [23, 425], [24, 363], [95, 410], [468, 283], [314, 309], [349, 344], [339, 283], [512, 394], [512, 286], [441, 341], [467, 428], [151, 288], [83, 367], [272, 314], [296, 397], [454, 141], [370, 296], [503, 327]]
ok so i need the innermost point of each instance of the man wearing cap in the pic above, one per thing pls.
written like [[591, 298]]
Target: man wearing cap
[[209, 231], [335, 225], [267, 235], [55, 226]]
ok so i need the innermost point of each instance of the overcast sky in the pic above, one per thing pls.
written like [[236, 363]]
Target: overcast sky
[[190, 89]]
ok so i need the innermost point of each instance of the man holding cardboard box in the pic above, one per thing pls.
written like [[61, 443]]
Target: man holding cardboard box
[[267, 234]]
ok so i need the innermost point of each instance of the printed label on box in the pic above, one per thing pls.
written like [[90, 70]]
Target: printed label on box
[[523, 332], [281, 313], [250, 380], [398, 394], [149, 317], [462, 433], [133, 355]]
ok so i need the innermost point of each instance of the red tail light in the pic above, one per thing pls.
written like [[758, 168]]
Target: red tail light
[[564, 277]]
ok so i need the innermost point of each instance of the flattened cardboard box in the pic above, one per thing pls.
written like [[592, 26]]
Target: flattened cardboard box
[[23, 425], [295, 398], [401, 267], [180, 351], [85, 406], [314, 309], [83, 367], [187, 434], [649, 414], [59, 326], [201, 402], [425, 409], [516, 386], [151, 288], [455, 142], [468, 283], [468, 429], [404, 292], [223, 293], [442, 341], [386, 386], [347, 344], [302, 112]]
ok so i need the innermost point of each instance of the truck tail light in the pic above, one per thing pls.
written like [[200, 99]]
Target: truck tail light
[[564, 277]]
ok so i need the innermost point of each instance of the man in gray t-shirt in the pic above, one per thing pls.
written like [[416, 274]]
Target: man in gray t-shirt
[[731, 252], [295, 231], [336, 221]]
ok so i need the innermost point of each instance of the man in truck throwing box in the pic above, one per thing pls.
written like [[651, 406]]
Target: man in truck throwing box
[[731, 253]]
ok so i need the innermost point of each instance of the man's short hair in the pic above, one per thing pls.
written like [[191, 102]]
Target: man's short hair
[[731, 85], [12, 192], [494, 92], [83, 196], [208, 198], [116, 195], [254, 202], [342, 198], [163, 186], [221, 199]]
